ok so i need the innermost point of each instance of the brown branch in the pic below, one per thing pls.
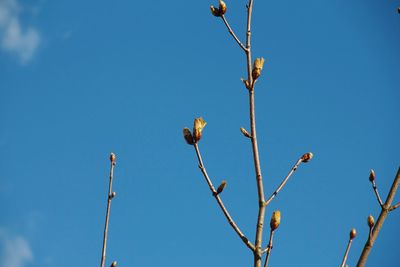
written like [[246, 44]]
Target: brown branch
[[294, 168], [378, 197], [219, 200], [269, 248], [381, 219], [233, 33], [110, 196], [346, 253], [394, 207]]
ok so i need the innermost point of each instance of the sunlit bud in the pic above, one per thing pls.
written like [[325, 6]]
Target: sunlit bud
[[245, 132], [371, 175], [257, 67], [275, 220], [221, 187], [113, 194], [188, 136], [198, 126], [307, 157], [371, 221], [113, 264], [353, 233], [112, 158], [222, 7], [215, 11]]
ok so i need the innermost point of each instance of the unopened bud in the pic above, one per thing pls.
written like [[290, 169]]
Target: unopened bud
[[112, 158], [198, 126], [245, 132], [371, 221], [215, 11], [257, 67], [307, 157], [371, 175], [275, 220], [222, 7], [221, 187], [353, 233], [398, 10], [188, 136], [113, 264]]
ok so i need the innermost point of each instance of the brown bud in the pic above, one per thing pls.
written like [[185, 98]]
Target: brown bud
[[275, 220], [371, 221], [215, 11], [245, 132], [113, 264], [221, 187], [222, 7], [112, 158], [188, 136], [353, 233], [307, 157], [371, 175], [198, 126], [113, 194], [257, 67]]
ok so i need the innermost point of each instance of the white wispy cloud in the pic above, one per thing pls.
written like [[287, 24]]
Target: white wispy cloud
[[15, 250], [14, 38]]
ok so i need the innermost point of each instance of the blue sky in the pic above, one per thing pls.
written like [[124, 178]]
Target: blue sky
[[80, 79]]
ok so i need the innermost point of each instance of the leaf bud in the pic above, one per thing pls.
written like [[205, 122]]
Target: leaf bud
[[353, 233], [275, 220], [222, 7], [215, 11], [113, 264], [245, 132], [257, 67], [371, 175], [112, 158], [188, 136], [371, 221], [198, 126], [221, 187], [307, 157]]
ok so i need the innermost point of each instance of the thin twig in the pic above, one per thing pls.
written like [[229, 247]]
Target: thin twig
[[381, 219], [109, 199], [233, 33], [219, 200], [378, 197], [269, 248], [294, 168], [346, 253], [394, 206]]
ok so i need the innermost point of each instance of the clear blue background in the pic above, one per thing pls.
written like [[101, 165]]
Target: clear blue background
[[127, 76]]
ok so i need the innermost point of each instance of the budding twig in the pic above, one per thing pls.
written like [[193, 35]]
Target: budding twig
[[110, 196], [372, 180], [352, 236], [233, 33], [219, 200], [269, 247], [394, 207]]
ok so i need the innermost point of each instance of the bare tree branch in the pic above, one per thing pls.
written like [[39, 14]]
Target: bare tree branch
[[233, 33], [381, 219], [219, 200], [269, 247], [378, 197], [394, 206], [346, 253], [110, 196]]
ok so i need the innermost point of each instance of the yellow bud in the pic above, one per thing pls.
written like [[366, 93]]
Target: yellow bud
[[221, 187], [275, 220], [245, 132], [371, 175], [215, 11], [257, 67], [188, 136], [114, 264], [112, 158], [222, 7], [307, 157], [353, 233], [371, 221], [198, 126]]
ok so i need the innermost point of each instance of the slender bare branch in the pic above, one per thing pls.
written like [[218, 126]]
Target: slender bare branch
[[269, 248], [110, 196], [394, 207], [233, 33], [378, 197], [381, 219], [219, 200], [294, 168], [346, 253]]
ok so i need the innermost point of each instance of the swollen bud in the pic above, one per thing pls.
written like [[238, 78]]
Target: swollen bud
[[188, 136], [198, 126], [245, 132], [275, 220], [221, 187], [222, 7], [353, 233], [113, 264], [214, 11], [307, 157], [257, 67], [371, 221], [371, 175], [112, 158]]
